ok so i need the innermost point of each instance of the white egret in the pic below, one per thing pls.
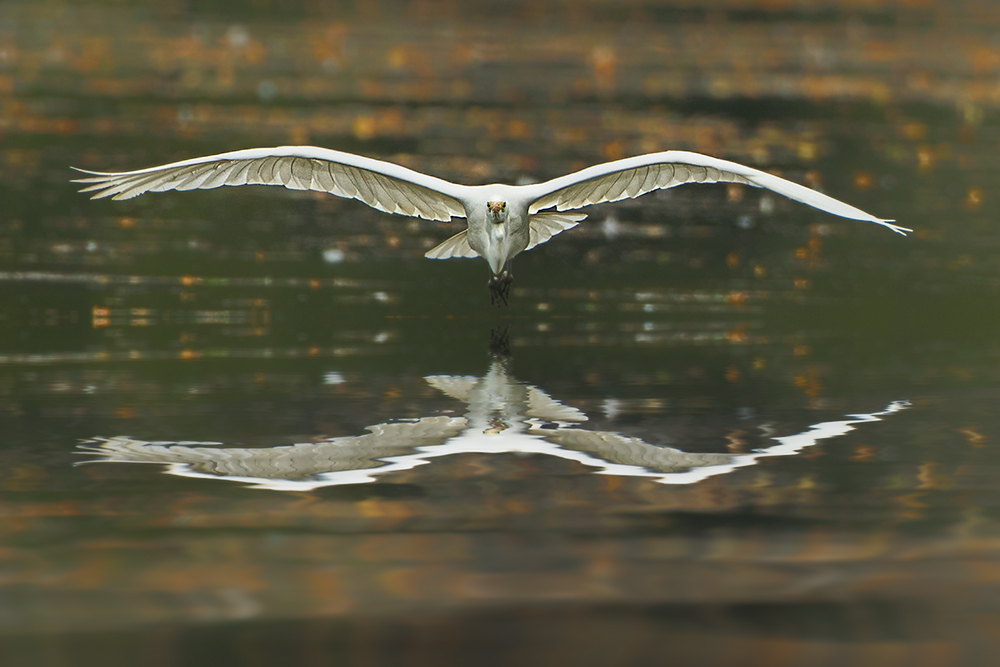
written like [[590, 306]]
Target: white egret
[[503, 220]]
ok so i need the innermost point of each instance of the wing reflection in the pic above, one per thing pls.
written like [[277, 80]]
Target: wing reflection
[[503, 416]]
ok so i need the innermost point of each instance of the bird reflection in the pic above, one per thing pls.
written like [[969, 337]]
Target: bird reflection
[[503, 416]]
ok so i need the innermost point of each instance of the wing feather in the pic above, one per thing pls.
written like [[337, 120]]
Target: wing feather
[[157, 184], [545, 225], [253, 172], [455, 246], [659, 177], [410, 200], [634, 187], [681, 175], [385, 198], [100, 185], [302, 171], [193, 177], [382, 185], [117, 190], [360, 183], [267, 170], [283, 173], [602, 188], [649, 183], [617, 191], [237, 175], [345, 188], [135, 188], [218, 177], [635, 176]]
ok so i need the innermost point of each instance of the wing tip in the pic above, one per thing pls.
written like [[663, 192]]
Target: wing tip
[[93, 173], [896, 228]]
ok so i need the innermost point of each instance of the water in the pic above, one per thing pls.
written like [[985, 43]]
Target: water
[[713, 427]]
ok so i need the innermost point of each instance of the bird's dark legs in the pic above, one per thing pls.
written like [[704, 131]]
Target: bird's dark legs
[[500, 288]]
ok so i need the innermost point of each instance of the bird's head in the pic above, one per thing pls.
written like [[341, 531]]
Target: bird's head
[[496, 211]]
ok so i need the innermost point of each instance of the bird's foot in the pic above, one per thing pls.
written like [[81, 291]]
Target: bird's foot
[[500, 288]]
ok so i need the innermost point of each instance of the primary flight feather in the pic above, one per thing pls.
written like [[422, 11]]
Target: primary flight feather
[[503, 220]]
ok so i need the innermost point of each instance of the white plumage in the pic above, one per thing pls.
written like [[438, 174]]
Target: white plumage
[[503, 220], [503, 415]]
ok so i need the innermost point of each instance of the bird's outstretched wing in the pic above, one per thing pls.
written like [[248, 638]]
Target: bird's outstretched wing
[[382, 185], [636, 176]]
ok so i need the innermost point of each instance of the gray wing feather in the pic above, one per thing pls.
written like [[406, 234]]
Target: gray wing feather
[[455, 246], [543, 226]]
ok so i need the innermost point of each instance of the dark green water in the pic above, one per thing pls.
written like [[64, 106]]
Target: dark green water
[[255, 427]]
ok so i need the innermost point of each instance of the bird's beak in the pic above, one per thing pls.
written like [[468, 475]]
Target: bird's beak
[[496, 207]]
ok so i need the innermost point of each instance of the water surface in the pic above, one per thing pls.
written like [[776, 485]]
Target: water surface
[[713, 427]]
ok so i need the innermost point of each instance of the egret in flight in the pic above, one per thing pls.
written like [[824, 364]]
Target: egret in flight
[[503, 220]]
